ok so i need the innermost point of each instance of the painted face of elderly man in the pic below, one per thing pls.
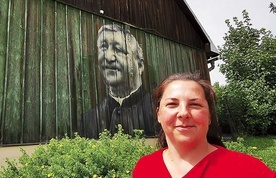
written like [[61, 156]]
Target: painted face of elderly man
[[120, 60]]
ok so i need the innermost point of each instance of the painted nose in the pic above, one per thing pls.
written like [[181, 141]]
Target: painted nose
[[110, 55]]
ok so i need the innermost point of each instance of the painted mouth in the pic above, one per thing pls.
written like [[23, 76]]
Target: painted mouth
[[111, 67]]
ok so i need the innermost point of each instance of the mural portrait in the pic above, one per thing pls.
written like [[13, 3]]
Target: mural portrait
[[121, 64]]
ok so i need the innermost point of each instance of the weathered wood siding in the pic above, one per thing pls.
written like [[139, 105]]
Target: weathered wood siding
[[169, 18], [48, 67]]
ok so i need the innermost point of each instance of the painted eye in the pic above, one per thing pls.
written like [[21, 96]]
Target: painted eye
[[118, 49], [104, 46]]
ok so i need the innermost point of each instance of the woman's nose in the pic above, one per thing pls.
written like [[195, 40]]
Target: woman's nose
[[110, 55], [183, 112]]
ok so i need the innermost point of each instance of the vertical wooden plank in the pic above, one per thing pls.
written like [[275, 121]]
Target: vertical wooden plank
[[194, 60], [167, 56], [152, 62], [62, 100], [98, 89], [162, 68], [15, 57], [141, 38], [74, 66], [23, 77], [4, 20], [180, 58], [83, 30], [133, 14], [69, 74], [94, 82], [56, 70], [173, 57], [86, 54], [48, 72], [201, 57], [32, 75], [189, 60], [178, 55], [157, 58], [102, 90], [184, 58]]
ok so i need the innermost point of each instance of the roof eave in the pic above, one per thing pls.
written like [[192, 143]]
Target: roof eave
[[210, 48]]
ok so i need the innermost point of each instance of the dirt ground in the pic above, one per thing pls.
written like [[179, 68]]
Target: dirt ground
[[13, 152]]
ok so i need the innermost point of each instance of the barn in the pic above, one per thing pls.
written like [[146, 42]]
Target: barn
[[56, 76]]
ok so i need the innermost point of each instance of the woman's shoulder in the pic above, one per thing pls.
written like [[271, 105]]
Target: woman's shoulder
[[235, 155], [151, 165], [229, 155], [152, 157], [238, 161]]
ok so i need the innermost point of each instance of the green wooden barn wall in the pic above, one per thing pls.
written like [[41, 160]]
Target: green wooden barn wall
[[48, 67]]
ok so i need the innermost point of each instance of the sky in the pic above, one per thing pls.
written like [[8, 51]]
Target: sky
[[212, 15]]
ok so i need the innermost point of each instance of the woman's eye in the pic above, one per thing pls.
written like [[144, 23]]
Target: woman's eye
[[171, 105], [196, 104]]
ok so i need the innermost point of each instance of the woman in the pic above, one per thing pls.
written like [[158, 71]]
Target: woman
[[185, 107]]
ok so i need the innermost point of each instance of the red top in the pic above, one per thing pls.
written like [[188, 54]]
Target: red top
[[220, 163]]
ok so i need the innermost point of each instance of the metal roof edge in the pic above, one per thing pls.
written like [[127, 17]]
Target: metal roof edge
[[213, 49]]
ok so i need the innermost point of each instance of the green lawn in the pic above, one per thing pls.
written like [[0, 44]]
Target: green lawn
[[263, 148]]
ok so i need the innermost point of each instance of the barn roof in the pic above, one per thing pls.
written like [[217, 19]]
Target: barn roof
[[212, 51]]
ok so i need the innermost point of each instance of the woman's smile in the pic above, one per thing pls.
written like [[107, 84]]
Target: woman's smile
[[184, 128]]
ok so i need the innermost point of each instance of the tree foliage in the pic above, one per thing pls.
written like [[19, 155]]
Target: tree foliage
[[231, 109], [272, 8], [249, 57]]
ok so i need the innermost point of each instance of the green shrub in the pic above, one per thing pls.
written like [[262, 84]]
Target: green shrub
[[110, 156]]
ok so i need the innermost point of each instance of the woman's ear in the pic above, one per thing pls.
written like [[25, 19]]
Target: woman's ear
[[157, 114]]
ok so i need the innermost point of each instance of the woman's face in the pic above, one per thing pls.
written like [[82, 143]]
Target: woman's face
[[184, 112]]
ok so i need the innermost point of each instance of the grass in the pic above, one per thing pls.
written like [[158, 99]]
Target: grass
[[263, 148], [266, 149]]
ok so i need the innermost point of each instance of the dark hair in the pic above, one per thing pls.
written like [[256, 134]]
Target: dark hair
[[213, 135]]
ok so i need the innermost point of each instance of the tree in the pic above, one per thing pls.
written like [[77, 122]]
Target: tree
[[231, 108], [249, 57], [272, 8]]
